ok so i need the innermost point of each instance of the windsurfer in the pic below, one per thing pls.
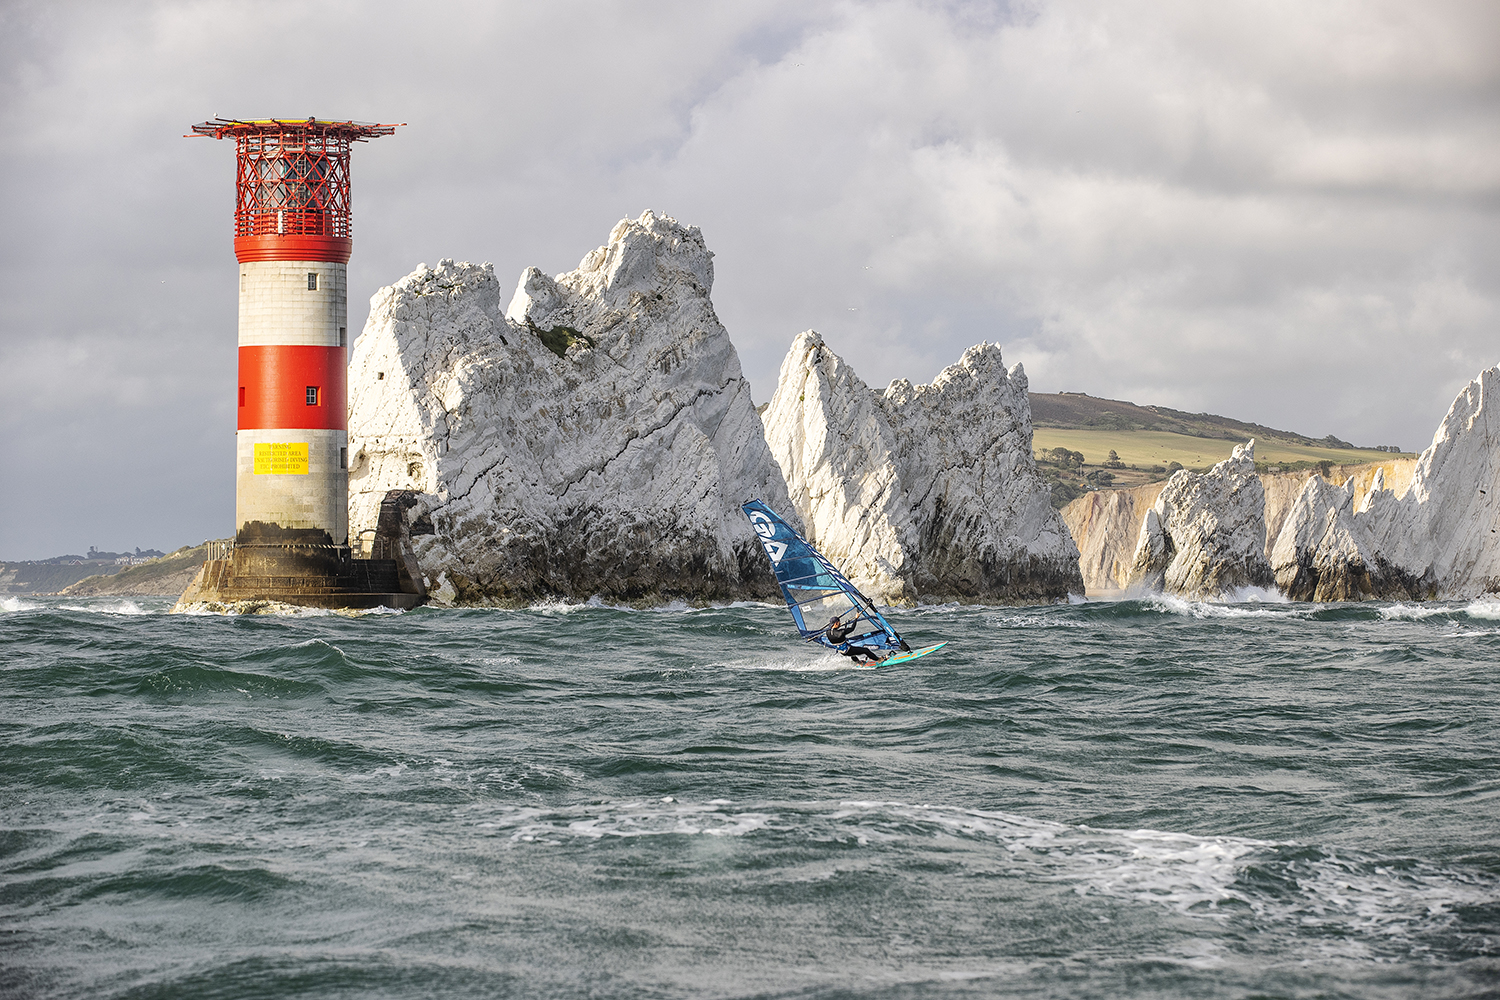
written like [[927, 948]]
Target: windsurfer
[[838, 634]]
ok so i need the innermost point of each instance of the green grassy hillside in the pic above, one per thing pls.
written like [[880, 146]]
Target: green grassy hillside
[[1073, 436], [1148, 448], [46, 577], [164, 577]]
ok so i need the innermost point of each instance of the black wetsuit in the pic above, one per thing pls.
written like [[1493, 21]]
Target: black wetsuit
[[838, 634]]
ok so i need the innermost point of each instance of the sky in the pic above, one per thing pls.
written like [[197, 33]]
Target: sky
[[1282, 212]]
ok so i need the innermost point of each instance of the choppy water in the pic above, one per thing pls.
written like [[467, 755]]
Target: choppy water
[[1143, 799]]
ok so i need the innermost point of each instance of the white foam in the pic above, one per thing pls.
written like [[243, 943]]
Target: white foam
[[561, 606], [276, 609], [1254, 595], [1414, 612], [1035, 621], [13, 604], [807, 659], [1370, 904], [1171, 604], [1383, 905], [120, 607], [1489, 610], [631, 819], [1179, 870]]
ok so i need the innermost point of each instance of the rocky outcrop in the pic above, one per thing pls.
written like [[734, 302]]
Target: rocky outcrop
[[1106, 524], [1281, 492], [1323, 553], [1440, 540], [1206, 534], [923, 492], [596, 439]]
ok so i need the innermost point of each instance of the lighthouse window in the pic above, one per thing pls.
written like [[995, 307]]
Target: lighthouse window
[[312, 281], [312, 395], [242, 395], [343, 458], [343, 336]]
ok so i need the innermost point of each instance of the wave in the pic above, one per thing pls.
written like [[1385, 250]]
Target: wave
[[277, 609], [14, 604], [819, 663], [1354, 902], [665, 817], [1482, 609], [120, 607], [1169, 604]]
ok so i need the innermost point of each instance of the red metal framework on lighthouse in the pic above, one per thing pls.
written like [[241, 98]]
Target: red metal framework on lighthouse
[[292, 185]]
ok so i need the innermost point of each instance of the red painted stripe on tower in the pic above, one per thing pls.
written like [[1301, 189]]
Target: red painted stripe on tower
[[333, 249], [274, 380]]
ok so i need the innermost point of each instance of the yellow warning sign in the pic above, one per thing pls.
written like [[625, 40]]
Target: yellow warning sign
[[281, 459]]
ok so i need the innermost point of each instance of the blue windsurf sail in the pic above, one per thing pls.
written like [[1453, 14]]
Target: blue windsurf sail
[[815, 591]]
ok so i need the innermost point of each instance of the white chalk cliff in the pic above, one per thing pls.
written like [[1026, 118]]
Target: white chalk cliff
[[1441, 540], [1106, 524], [926, 492], [1322, 552], [1206, 534], [596, 438]]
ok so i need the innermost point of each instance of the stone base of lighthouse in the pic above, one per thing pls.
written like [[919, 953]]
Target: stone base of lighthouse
[[267, 563]]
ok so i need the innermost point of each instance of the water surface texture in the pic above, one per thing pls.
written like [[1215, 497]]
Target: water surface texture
[[1137, 799]]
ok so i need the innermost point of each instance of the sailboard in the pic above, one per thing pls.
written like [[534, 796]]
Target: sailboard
[[816, 592]]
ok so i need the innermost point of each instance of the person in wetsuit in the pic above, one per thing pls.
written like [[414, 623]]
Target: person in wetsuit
[[839, 634]]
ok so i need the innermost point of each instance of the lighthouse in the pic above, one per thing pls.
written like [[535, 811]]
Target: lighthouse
[[292, 241]]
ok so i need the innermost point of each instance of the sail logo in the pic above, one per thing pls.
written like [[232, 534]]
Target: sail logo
[[767, 531]]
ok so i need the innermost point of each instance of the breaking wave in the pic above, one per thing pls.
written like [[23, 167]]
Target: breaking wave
[[1374, 905]]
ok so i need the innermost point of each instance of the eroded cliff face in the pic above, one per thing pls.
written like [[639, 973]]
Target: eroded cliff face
[[1323, 553], [1441, 540], [596, 439], [1107, 524], [923, 492], [1206, 534]]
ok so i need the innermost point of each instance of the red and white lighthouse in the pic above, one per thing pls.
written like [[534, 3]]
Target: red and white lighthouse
[[292, 239]]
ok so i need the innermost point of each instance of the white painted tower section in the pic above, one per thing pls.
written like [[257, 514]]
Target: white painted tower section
[[281, 306]]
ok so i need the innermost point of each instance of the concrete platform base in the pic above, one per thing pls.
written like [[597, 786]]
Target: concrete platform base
[[318, 576]]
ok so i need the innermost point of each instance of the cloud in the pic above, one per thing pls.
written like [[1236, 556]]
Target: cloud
[[1281, 212]]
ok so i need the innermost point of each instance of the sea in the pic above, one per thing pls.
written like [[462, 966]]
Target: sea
[[1148, 798]]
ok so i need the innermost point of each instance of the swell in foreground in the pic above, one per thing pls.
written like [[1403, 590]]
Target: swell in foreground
[[1156, 798]]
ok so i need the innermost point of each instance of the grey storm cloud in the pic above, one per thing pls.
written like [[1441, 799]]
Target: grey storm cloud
[[1282, 212]]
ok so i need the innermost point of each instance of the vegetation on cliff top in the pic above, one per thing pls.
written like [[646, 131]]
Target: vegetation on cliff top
[[1085, 443]]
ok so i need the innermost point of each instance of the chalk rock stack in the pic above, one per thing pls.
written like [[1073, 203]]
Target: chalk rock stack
[[598, 438], [1206, 534], [1106, 525], [1441, 540], [1323, 552], [926, 492]]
